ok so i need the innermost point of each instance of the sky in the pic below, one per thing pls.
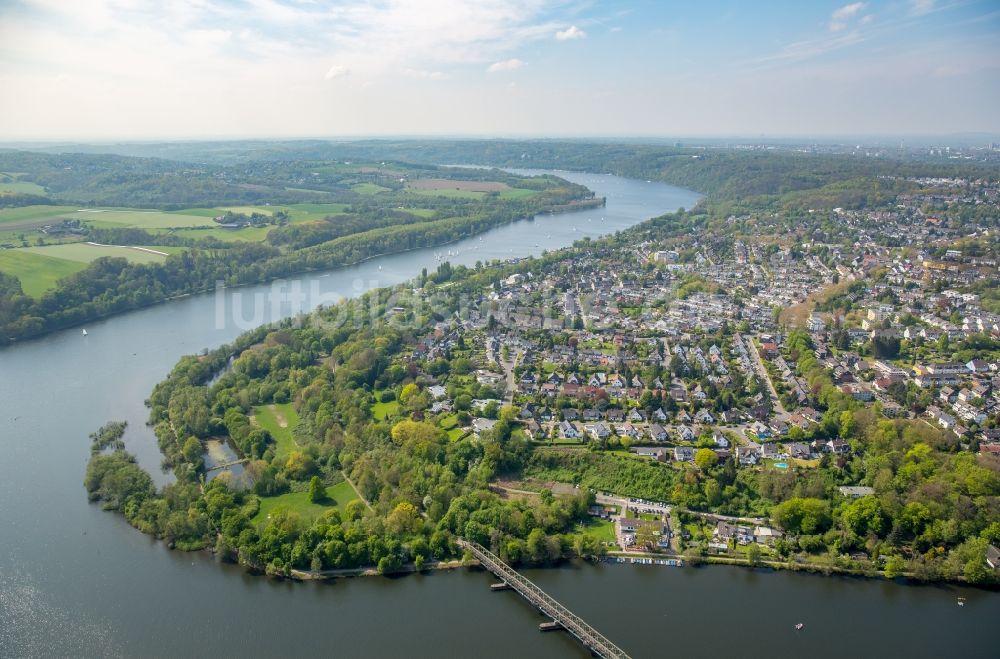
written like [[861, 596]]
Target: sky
[[178, 69]]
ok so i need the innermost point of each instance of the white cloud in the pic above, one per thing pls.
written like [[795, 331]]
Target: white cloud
[[921, 7], [336, 71], [572, 32], [505, 65], [421, 74], [840, 18]]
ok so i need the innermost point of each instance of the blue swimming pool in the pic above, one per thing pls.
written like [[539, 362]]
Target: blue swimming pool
[[781, 465]]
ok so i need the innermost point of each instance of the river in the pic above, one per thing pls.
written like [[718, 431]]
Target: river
[[77, 581]]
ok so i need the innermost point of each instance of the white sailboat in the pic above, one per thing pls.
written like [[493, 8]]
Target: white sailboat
[[85, 332]]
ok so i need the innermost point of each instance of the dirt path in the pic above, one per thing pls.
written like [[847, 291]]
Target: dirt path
[[356, 490], [278, 416]]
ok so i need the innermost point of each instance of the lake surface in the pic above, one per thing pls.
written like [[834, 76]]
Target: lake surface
[[77, 581]]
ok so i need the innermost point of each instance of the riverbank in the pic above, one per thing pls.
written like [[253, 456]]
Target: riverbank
[[408, 568]]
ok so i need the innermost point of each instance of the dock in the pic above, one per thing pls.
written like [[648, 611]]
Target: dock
[[562, 618]]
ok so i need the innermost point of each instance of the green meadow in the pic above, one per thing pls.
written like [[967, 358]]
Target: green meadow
[[280, 420], [38, 273], [337, 496], [85, 252]]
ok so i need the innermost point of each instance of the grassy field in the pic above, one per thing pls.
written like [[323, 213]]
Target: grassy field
[[383, 410], [26, 214], [368, 188], [337, 496], [456, 434], [451, 194], [419, 212], [140, 219], [280, 420], [169, 249], [249, 234], [38, 273], [517, 193], [21, 187], [85, 252], [599, 529]]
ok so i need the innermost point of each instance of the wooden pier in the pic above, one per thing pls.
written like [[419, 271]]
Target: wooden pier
[[562, 617]]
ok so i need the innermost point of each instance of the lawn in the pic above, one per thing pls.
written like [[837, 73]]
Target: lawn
[[381, 411], [599, 529], [85, 252], [337, 496], [456, 434], [38, 273], [280, 420], [449, 421]]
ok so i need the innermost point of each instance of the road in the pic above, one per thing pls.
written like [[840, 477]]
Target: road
[[762, 373], [508, 369]]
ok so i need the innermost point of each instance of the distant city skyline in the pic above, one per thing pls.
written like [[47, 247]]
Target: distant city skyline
[[140, 69]]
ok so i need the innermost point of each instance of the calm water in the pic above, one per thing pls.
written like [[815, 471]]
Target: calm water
[[75, 581]]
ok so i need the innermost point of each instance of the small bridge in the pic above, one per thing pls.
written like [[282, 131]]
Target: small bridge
[[592, 639], [226, 465]]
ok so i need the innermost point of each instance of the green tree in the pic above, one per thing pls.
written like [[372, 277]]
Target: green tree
[[705, 458], [317, 492], [753, 554], [864, 516]]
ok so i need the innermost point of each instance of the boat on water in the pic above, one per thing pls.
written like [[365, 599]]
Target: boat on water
[[799, 627], [85, 332]]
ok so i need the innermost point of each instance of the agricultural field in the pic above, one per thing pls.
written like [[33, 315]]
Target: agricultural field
[[517, 193], [29, 216], [368, 188], [194, 222], [419, 212], [139, 219], [39, 268], [280, 421], [466, 189], [38, 273], [247, 234], [451, 193], [87, 252], [337, 496], [449, 184], [11, 183]]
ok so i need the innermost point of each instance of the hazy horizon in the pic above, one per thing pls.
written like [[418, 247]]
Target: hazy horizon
[[131, 70]]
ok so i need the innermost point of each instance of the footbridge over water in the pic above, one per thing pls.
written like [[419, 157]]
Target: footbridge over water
[[592, 639]]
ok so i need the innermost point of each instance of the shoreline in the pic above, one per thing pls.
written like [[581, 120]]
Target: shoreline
[[611, 558]]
